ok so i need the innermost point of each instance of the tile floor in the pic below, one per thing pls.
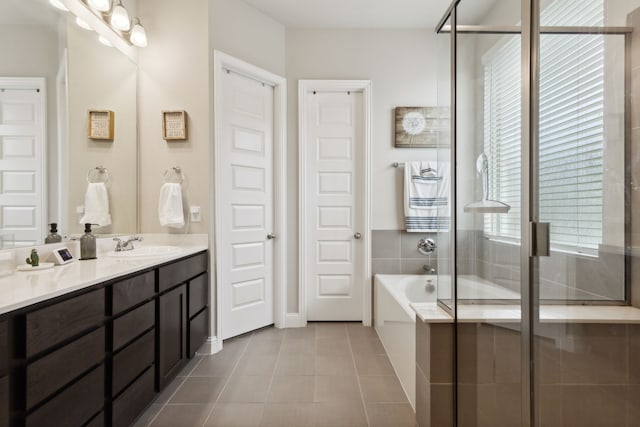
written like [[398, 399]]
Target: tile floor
[[327, 374]]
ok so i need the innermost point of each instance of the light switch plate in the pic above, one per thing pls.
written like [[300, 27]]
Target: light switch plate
[[195, 215]]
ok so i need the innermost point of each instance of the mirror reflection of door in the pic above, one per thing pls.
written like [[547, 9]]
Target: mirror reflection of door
[[22, 161]]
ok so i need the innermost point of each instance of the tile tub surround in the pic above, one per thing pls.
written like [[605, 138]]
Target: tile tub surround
[[22, 289], [327, 374], [396, 252], [586, 375]]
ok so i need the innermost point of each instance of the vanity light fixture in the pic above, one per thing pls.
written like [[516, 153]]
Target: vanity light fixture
[[104, 41], [120, 17], [138, 36], [58, 5], [83, 24], [100, 5]]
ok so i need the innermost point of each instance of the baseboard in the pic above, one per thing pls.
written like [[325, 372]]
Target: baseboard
[[211, 346], [294, 320]]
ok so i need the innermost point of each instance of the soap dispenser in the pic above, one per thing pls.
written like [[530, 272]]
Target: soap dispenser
[[53, 236], [87, 244]]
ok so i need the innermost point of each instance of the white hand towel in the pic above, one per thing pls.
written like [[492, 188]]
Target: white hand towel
[[96, 205], [426, 197], [170, 210]]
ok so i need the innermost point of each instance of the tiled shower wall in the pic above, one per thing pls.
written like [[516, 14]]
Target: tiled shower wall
[[396, 252]]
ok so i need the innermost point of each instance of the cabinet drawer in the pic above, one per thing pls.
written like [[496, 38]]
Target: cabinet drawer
[[53, 371], [50, 325], [181, 271], [4, 401], [198, 293], [133, 291], [4, 348], [74, 406], [133, 400], [132, 360], [198, 327], [132, 324]]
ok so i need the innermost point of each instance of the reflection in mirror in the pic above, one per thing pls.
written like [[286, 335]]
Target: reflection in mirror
[[52, 74]]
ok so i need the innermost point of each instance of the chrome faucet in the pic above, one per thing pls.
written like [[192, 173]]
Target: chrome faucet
[[428, 269], [126, 245]]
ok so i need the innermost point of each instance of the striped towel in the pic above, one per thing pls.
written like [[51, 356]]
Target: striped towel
[[426, 196]]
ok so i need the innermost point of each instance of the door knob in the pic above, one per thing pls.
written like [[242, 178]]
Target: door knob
[[271, 236], [357, 236]]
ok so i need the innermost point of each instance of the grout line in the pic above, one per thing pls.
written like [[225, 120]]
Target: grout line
[[170, 397], [228, 379], [353, 359], [273, 375]]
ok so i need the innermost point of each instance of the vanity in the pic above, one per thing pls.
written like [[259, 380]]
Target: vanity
[[94, 345]]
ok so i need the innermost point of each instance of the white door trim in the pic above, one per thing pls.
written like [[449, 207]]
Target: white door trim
[[222, 62], [39, 83], [304, 87]]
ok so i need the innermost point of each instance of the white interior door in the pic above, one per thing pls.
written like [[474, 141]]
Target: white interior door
[[22, 130], [246, 258], [334, 171]]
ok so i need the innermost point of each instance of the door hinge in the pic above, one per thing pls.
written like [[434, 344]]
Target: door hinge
[[539, 241]]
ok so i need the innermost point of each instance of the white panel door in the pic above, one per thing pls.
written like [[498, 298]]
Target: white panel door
[[21, 165], [334, 170], [246, 261]]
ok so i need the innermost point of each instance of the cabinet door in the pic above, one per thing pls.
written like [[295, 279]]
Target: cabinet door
[[172, 333]]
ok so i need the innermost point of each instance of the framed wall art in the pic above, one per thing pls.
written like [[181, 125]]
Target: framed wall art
[[420, 127], [101, 125], [174, 125]]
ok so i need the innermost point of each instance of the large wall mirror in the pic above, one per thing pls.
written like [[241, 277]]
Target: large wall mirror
[[52, 74]]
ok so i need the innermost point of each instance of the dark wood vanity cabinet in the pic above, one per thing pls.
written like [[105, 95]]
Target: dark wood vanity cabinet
[[99, 356]]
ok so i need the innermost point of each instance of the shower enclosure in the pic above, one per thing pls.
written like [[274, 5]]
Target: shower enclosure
[[543, 291]]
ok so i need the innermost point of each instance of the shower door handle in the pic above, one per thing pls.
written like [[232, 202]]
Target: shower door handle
[[539, 239]]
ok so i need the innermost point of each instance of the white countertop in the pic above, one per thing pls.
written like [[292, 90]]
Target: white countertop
[[22, 289], [478, 313]]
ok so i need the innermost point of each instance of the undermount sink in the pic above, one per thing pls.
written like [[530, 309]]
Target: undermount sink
[[146, 251]]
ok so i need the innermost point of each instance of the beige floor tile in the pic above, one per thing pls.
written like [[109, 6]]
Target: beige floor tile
[[296, 364], [337, 389], [190, 366], [373, 364], [299, 345], [264, 347], [250, 389], [182, 416], [218, 365], [269, 333], [199, 390], [367, 346], [291, 389], [382, 389], [390, 415], [287, 415], [331, 330], [341, 365], [236, 415], [147, 416], [358, 331], [333, 347], [169, 390], [251, 364], [342, 414]]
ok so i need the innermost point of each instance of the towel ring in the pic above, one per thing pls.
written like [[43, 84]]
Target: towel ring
[[174, 173], [98, 174]]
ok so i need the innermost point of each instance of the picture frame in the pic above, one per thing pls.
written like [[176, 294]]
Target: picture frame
[[174, 125], [101, 125], [420, 127]]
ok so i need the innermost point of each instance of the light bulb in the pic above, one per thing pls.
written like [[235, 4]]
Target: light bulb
[[104, 41], [58, 5], [83, 24], [100, 5], [120, 18], [138, 36]]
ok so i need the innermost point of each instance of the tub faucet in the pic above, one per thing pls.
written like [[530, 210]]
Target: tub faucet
[[428, 269], [126, 245]]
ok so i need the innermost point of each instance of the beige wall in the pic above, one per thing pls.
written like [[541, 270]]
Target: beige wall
[[101, 78], [174, 75]]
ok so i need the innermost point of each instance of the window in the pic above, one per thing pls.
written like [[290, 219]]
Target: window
[[571, 128]]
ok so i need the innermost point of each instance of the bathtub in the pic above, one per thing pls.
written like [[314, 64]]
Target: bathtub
[[395, 321]]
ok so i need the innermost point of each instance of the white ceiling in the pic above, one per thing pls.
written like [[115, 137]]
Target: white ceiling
[[354, 13]]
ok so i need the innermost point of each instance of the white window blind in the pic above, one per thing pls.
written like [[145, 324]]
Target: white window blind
[[571, 128]]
